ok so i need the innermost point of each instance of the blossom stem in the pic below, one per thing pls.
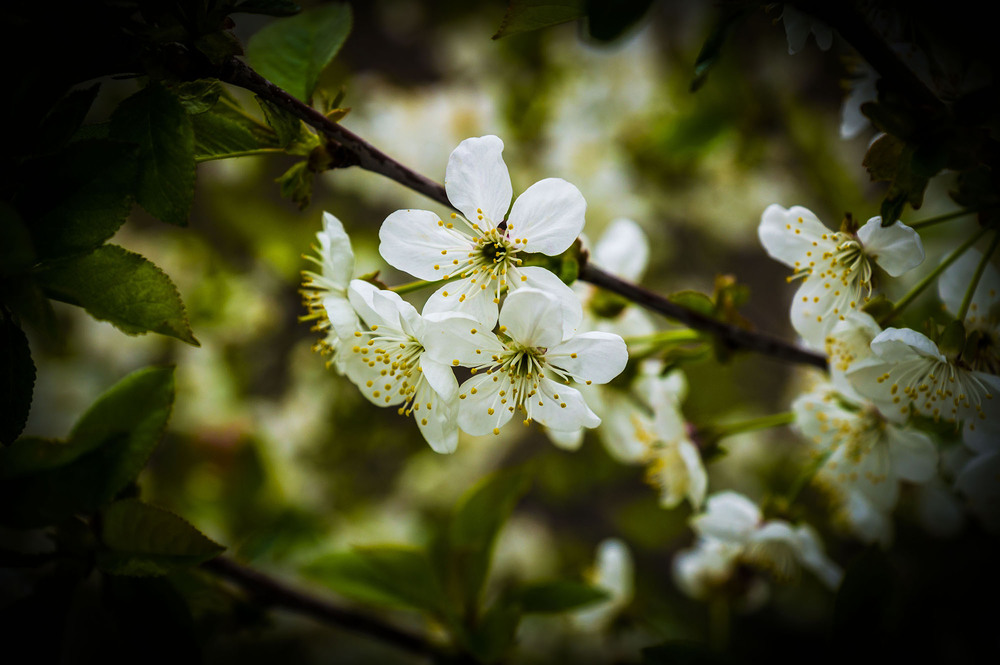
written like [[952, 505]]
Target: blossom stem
[[929, 278], [980, 269], [716, 432], [410, 287], [948, 216], [664, 337], [245, 153]]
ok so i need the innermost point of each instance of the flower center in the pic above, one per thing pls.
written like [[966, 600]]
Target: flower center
[[400, 374], [937, 389]]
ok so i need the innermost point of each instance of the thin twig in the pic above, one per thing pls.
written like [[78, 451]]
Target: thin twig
[[370, 158], [731, 336], [272, 592]]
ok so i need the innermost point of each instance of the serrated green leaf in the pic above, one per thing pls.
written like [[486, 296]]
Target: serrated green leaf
[[474, 527], [268, 7], [558, 596], [46, 482], [389, 576], [65, 118], [199, 95], [155, 120], [17, 379], [229, 131], [91, 186], [296, 184], [285, 125], [140, 540], [293, 52], [116, 285], [530, 15], [17, 252]]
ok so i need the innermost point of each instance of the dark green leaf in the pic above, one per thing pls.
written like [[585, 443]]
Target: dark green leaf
[[296, 184], [890, 159], [607, 20], [17, 379], [155, 120], [285, 125], [198, 96], [17, 252], [493, 635], [558, 596], [47, 481], [228, 131], [122, 287], [219, 46], [268, 7], [33, 309], [293, 52], [694, 300], [529, 15], [141, 540], [389, 576], [475, 525], [711, 50], [91, 187], [65, 119]]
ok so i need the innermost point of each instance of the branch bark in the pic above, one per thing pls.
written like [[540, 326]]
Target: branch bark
[[370, 158], [274, 593]]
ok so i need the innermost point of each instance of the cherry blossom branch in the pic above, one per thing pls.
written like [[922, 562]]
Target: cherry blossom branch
[[358, 152], [980, 269], [272, 592]]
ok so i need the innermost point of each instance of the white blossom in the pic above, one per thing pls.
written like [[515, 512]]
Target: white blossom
[[798, 27], [479, 255], [835, 267], [529, 367], [390, 366], [613, 572]]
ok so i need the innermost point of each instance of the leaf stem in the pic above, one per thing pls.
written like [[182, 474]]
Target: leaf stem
[[918, 288], [980, 269], [717, 432], [664, 336], [410, 287], [244, 153], [948, 216]]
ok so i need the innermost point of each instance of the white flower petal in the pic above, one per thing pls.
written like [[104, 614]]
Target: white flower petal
[[914, 456], [438, 424], [464, 297], [449, 338], [439, 377], [797, 28], [896, 248], [810, 553], [341, 314], [788, 234], [560, 407], [955, 281], [477, 179], [549, 214], [697, 483], [539, 278], [336, 253], [621, 423], [896, 344], [566, 440], [481, 410], [594, 356], [532, 318], [729, 517], [377, 307], [623, 250], [415, 241], [819, 305]]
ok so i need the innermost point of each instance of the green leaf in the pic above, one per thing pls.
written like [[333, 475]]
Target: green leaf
[[199, 95], [608, 20], [227, 130], [65, 119], [711, 50], [33, 309], [268, 7], [694, 300], [390, 576], [47, 481], [475, 525], [141, 540], [293, 52], [529, 15], [296, 184], [558, 596], [91, 186], [119, 286], [493, 635], [17, 379], [17, 252], [155, 120], [285, 125]]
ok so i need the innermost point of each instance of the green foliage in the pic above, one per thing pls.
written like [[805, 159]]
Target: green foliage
[[198, 96], [119, 286], [286, 126], [891, 160], [92, 184], [17, 379], [390, 576], [46, 481], [155, 120], [558, 596], [729, 18], [292, 53], [474, 528], [296, 184], [529, 15], [141, 540]]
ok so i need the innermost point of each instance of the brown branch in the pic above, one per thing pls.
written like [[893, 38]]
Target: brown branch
[[371, 158], [731, 336], [274, 593]]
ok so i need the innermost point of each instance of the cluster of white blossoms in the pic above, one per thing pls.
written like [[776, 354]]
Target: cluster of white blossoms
[[515, 328], [868, 420]]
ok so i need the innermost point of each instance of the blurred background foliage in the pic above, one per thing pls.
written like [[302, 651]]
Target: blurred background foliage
[[273, 455]]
